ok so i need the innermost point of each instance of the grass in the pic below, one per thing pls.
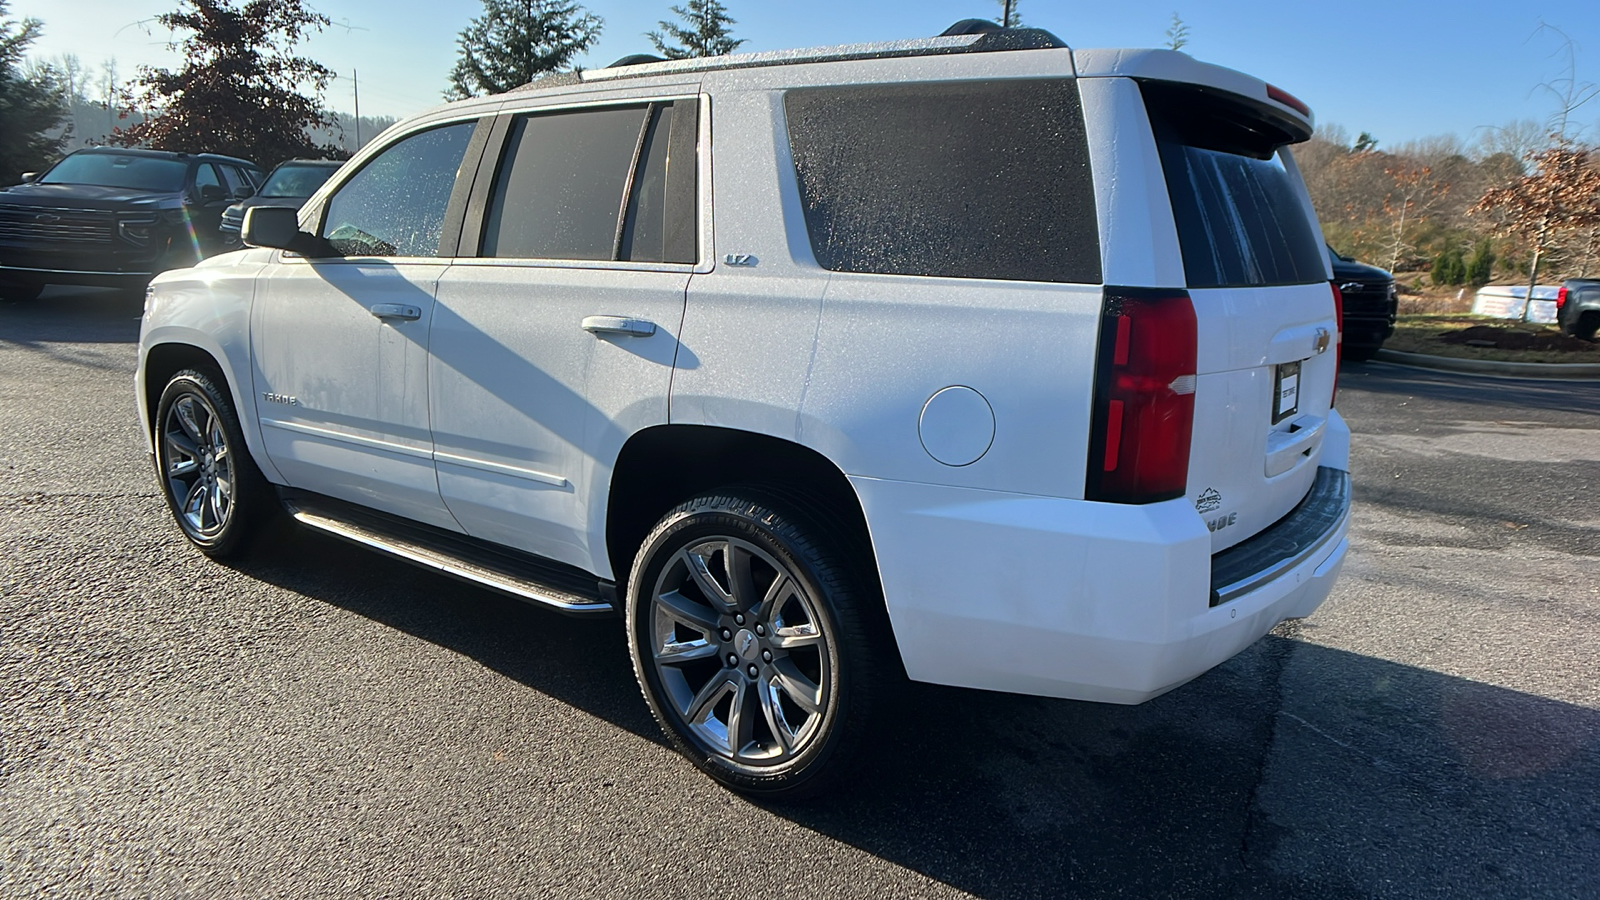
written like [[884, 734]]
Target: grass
[[1440, 334]]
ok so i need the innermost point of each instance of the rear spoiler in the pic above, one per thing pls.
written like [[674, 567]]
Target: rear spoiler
[[1270, 103]]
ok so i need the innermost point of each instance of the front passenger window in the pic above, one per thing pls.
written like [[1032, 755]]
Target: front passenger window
[[395, 206]]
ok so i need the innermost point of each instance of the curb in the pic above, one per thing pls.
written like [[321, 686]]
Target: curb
[[1563, 371]]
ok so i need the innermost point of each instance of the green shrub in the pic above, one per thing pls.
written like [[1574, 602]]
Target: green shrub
[[1480, 269], [1448, 268]]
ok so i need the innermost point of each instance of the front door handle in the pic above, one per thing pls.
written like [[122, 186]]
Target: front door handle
[[618, 325], [397, 311]]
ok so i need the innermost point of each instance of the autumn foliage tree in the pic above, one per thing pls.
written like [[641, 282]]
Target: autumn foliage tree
[[1560, 196], [241, 90]]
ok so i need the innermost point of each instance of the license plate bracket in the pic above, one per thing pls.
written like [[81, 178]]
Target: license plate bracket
[[1285, 391]]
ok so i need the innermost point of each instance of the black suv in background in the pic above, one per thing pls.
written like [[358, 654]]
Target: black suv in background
[[291, 184], [116, 217], [1370, 304], [1578, 307]]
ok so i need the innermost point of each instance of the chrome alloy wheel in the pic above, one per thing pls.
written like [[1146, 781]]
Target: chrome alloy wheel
[[197, 466], [741, 652]]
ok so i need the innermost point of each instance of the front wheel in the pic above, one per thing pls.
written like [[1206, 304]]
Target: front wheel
[[751, 646], [215, 492]]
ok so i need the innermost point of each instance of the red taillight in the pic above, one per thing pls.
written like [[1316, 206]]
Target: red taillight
[[1338, 339], [1144, 397], [1561, 297]]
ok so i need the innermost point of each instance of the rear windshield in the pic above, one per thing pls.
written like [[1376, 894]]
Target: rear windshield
[[144, 173], [296, 181], [979, 179], [1240, 219]]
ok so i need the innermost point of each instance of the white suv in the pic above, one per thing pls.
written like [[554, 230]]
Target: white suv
[[978, 359]]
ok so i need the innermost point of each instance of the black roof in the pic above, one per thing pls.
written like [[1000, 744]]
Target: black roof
[[167, 154]]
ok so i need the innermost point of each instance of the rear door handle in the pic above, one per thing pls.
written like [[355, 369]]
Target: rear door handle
[[397, 311], [618, 325]]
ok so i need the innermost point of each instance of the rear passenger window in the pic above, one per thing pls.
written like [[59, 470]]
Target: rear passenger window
[[974, 179], [1237, 208], [599, 184]]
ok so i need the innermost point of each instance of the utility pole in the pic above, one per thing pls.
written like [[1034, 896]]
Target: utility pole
[[355, 85], [1005, 18]]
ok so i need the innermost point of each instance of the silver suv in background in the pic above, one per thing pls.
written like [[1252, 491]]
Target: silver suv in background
[[975, 359], [291, 183]]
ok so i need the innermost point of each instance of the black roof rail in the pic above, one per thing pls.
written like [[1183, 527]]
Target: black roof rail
[[971, 26], [637, 59]]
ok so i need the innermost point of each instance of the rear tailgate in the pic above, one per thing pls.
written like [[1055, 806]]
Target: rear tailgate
[[1266, 326]]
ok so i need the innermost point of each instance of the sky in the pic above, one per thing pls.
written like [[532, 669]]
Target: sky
[[1401, 70]]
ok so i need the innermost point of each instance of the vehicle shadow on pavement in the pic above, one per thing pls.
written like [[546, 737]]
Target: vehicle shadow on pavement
[[580, 661], [1293, 769], [74, 316]]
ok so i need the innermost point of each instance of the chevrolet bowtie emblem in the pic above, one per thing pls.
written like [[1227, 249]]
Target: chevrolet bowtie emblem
[[1320, 343]]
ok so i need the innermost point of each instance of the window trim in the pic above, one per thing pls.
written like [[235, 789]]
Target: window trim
[[477, 212]]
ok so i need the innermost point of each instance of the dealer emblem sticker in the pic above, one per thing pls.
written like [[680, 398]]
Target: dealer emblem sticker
[[1208, 500]]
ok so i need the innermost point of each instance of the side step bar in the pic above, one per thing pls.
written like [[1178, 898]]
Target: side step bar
[[524, 576]]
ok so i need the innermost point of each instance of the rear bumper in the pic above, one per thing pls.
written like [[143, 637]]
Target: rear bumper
[[1068, 598]]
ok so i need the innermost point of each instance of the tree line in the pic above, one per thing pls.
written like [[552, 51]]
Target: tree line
[[244, 90]]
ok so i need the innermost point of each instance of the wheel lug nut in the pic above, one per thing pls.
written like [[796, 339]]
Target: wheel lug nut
[[733, 659], [754, 671], [766, 655], [739, 619], [761, 630], [727, 635]]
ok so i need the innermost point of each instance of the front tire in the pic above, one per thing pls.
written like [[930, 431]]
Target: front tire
[[216, 493], [751, 646]]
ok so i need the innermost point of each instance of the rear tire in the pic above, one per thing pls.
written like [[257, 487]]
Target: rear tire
[[750, 643], [217, 495]]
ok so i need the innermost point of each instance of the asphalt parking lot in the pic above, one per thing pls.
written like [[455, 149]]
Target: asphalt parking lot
[[318, 721]]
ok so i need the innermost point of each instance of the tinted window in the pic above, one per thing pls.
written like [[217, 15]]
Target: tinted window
[[238, 185], [395, 206], [143, 173], [968, 179], [205, 174], [560, 188], [1240, 219], [644, 232]]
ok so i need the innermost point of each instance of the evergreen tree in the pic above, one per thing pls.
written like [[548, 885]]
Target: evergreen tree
[[1177, 33], [239, 91], [1480, 269], [707, 33], [515, 41], [1009, 17], [31, 103]]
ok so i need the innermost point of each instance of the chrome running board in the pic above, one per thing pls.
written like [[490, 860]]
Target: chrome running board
[[526, 577]]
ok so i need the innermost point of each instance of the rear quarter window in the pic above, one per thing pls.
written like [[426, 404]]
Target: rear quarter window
[[958, 179]]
